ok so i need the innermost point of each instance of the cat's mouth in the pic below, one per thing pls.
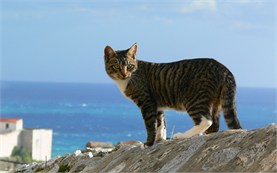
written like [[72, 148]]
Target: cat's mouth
[[123, 77], [120, 76]]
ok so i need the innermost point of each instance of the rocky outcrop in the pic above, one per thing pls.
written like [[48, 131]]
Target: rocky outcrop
[[228, 151]]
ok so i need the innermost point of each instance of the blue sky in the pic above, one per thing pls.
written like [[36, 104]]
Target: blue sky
[[63, 40]]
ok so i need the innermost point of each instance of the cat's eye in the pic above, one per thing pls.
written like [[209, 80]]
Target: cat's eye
[[115, 67], [130, 67]]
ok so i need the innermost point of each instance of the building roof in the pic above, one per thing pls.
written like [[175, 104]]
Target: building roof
[[10, 120]]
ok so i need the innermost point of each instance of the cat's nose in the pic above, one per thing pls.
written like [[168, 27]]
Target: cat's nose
[[124, 72], [124, 75]]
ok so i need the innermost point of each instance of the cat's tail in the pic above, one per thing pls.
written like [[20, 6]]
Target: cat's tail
[[228, 98]]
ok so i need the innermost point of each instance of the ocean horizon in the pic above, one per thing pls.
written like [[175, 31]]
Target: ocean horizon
[[83, 112]]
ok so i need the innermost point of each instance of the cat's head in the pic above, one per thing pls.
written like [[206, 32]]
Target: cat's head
[[120, 64]]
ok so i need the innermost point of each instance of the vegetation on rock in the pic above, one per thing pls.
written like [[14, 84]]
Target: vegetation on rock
[[21, 154]]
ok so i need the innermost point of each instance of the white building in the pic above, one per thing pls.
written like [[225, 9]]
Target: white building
[[37, 141]]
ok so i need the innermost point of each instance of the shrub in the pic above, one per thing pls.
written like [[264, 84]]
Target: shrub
[[21, 154]]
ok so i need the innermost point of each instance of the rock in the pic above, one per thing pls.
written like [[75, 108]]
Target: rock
[[89, 154], [78, 152], [128, 144], [99, 149], [98, 152], [228, 151], [99, 145]]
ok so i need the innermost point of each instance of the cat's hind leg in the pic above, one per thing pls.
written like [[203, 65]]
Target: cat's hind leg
[[215, 117], [161, 127], [199, 128]]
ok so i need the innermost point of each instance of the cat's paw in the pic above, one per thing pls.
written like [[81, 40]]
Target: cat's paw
[[144, 146], [160, 141], [180, 136], [184, 135]]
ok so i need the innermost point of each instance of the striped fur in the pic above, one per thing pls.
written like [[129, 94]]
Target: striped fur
[[202, 87]]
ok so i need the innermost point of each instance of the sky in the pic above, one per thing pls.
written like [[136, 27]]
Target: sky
[[64, 40]]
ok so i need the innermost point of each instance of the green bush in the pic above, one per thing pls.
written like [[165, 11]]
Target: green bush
[[64, 168], [21, 154]]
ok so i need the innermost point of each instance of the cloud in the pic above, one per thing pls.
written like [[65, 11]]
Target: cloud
[[249, 1], [197, 5], [249, 26], [39, 10]]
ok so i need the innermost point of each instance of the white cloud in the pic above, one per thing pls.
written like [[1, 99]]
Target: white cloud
[[196, 5], [249, 1], [249, 26]]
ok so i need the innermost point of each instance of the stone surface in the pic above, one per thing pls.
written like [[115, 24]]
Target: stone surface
[[228, 151], [93, 144]]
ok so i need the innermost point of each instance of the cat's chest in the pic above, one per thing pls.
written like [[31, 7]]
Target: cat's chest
[[122, 85]]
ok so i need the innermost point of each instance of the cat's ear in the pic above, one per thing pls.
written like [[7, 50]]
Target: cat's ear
[[133, 50], [108, 51]]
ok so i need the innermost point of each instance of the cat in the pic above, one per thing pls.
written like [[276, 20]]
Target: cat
[[202, 87]]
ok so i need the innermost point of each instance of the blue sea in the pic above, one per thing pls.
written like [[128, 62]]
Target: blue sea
[[79, 113]]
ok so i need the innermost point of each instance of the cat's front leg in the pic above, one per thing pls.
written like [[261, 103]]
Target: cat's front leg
[[151, 126], [161, 127]]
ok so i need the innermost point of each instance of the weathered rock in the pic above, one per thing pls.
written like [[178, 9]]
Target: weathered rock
[[128, 144], [93, 144], [99, 149], [228, 151]]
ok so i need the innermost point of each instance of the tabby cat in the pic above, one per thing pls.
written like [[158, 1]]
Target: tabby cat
[[199, 86]]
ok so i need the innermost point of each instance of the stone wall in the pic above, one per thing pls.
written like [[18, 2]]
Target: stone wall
[[228, 151]]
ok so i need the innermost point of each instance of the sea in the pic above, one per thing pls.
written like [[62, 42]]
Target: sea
[[81, 112]]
